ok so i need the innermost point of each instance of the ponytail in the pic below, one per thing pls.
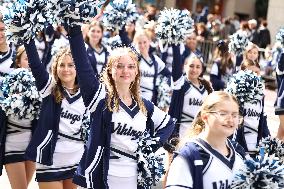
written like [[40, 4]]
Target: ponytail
[[206, 84]]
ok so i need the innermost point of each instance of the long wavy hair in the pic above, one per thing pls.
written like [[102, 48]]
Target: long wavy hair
[[57, 90], [107, 79]]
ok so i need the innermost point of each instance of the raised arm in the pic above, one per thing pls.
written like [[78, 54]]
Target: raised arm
[[177, 63], [123, 36], [90, 86], [38, 69]]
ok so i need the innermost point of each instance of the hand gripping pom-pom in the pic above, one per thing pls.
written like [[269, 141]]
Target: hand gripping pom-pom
[[238, 43], [150, 166], [119, 13], [173, 26], [246, 86], [23, 20]]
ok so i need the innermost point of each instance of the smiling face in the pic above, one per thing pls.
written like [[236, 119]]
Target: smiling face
[[95, 34], [223, 119], [124, 70], [2, 33], [252, 54], [142, 41], [193, 68], [66, 71]]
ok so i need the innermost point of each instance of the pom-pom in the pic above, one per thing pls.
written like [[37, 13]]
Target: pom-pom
[[119, 13], [238, 43], [71, 12], [150, 166], [23, 20], [164, 92], [85, 128], [173, 26], [262, 172], [21, 98], [273, 146], [246, 86], [280, 36]]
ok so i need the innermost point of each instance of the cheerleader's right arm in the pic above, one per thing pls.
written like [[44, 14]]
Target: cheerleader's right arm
[[179, 175], [43, 79], [91, 89], [123, 36], [177, 68]]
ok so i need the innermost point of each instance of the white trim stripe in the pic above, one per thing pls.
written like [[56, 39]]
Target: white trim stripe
[[43, 145], [92, 166]]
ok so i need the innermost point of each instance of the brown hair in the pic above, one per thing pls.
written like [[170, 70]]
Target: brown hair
[[106, 78], [246, 63], [222, 53], [93, 24], [20, 50], [57, 90]]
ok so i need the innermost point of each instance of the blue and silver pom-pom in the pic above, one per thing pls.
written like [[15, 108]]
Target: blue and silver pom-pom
[[238, 43], [262, 172], [23, 20], [119, 13], [173, 26], [246, 86], [273, 146], [150, 165], [72, 12], [280, 36], [21, 98], [85, 127], [164, 92]]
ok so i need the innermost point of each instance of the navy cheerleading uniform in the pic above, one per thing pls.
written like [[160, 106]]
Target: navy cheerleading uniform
[[57, 145], [110, 151]]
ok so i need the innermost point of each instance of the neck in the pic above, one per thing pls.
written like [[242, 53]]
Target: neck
[[194, 81], [145, 55], [123, 92], [4, 47], [94, 45], [69, 86], [217, 142]]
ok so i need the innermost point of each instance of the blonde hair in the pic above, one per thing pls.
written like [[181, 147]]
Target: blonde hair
[[20, 50], [57, 89], [139, 34], [249, 47], [106, 78], [247, 63], [210, 102]]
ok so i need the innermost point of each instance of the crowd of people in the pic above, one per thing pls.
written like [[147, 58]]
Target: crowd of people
[[102, 89]]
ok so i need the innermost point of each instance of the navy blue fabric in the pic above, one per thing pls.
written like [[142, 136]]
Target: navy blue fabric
[[216, 80], [92, 58], [49, 115], [263, 130], [3, 126], [191, 153]]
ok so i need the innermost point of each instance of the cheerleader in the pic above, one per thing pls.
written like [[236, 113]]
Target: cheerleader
[[278, 61], [208, 159], [97, 53], [150, 67], [57, 144], [254, 126], [222, 67], [189, 90], [7, 51], [252, 53], [118, 115], [18, 134]]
